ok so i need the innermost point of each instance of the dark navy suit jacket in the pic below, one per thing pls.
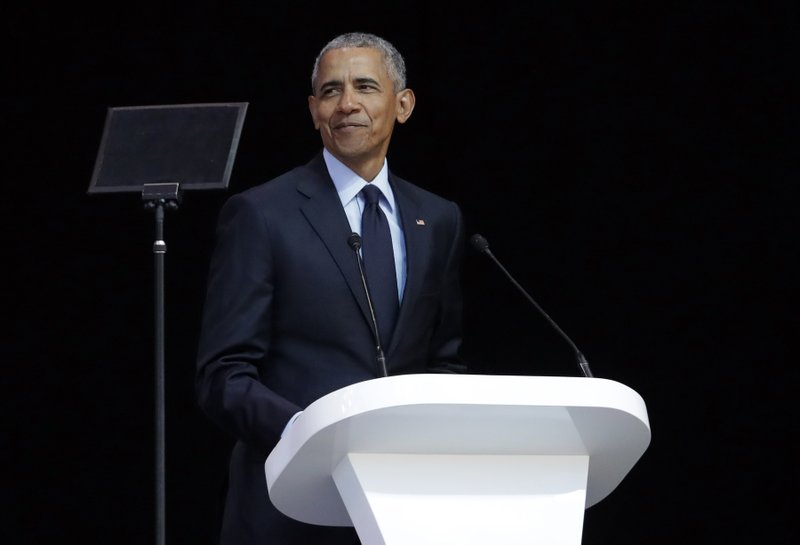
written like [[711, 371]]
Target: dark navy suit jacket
[[286, 321]]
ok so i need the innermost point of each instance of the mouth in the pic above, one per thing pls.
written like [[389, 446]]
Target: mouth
[[345, 125]]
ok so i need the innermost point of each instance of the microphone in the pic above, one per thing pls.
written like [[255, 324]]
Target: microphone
[[482, 245], [354, 241]]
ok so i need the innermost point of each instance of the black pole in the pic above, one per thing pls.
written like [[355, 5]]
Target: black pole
[[159, 197], [159, 251]]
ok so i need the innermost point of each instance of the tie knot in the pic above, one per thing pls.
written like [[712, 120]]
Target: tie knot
[[371, 194]]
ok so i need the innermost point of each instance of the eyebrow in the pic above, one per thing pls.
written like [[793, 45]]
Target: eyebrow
[[361, 81], [357, 81], [329, 84]]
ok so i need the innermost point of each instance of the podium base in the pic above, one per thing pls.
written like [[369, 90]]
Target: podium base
[[457, 499]]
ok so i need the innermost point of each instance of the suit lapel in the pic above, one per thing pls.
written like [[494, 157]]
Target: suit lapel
[[417, 253], [323, 210]]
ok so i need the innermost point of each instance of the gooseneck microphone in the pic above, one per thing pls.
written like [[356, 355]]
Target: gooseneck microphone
[[482, 245], [354, 241]]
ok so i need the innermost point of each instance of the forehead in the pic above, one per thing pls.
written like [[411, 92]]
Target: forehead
[[352, 63]]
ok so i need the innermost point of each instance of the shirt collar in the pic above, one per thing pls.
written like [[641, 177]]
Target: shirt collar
[[349, 184]]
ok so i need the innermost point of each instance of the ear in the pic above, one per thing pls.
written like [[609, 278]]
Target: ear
[[312, 107], [405, 104]]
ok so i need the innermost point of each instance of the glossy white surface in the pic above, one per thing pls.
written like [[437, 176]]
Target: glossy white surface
[[459, 434], [444, 499]]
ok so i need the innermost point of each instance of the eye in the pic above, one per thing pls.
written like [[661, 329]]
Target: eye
[[329, 90]]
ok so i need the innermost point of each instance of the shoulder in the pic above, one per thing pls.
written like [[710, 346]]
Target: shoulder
[[411, 193], [291, 184]]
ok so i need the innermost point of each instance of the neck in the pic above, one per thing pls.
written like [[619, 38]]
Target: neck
[[367, 169]]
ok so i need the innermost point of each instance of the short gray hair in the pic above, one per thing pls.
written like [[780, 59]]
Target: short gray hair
[[392, 58]]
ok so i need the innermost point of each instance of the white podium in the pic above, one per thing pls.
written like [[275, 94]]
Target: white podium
[[439, 459]]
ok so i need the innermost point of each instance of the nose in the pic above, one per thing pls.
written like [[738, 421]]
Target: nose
[[347, 100]]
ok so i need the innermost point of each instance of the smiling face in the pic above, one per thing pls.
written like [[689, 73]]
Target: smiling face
[[355, 106]]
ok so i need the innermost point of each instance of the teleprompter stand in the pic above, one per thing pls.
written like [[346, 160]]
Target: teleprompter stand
[[161, 151]]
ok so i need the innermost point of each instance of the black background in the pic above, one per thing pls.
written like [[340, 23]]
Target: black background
[[632, 164]]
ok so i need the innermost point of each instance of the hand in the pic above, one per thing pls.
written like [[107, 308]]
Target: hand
[[290, 422]]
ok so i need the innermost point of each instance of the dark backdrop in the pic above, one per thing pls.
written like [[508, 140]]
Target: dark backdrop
[[632, 164]]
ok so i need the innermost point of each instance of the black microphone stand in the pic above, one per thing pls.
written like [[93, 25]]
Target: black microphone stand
[[482, 245], [354, 241], [160, 197]]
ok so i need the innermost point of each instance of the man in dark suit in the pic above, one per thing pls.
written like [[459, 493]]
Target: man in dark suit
[[286, 318]]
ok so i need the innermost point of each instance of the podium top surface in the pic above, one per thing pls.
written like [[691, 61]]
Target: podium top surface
[[449, 414]]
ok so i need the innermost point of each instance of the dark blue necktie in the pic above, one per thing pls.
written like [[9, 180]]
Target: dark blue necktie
[[378, 255]]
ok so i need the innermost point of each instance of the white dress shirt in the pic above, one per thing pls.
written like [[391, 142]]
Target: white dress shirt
[[348, 186]]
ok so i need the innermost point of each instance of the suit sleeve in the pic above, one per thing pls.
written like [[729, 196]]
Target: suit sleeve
[[234, 337], [448, 334]]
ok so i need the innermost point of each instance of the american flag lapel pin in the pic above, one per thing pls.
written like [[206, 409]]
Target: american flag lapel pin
[[420, 222]]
